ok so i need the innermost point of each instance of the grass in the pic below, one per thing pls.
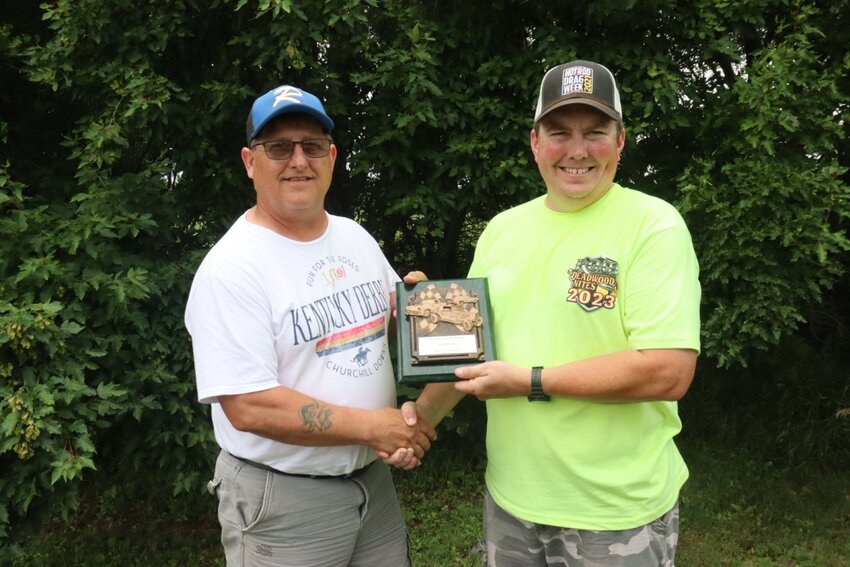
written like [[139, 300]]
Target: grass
[[118, 526], [442, 504], [740, 511], [736, 511]]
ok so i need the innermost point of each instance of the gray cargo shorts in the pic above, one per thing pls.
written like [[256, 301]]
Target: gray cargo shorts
[[271, 519]]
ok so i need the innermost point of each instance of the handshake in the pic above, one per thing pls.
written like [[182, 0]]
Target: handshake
[[403, 436]]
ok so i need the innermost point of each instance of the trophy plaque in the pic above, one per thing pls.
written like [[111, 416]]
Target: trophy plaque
[[442, 324]]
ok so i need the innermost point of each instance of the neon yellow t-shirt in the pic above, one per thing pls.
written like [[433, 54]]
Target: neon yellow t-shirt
[[619, 274]]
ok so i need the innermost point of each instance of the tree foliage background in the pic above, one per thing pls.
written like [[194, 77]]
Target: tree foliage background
[[120, 129]]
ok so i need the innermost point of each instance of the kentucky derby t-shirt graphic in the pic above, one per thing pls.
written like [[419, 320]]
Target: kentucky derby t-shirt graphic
[[345, 321]]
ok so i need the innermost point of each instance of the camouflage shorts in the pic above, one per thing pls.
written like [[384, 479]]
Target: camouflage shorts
[[511, 542]]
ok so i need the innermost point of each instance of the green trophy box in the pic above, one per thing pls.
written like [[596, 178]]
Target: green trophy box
[[442, 324]]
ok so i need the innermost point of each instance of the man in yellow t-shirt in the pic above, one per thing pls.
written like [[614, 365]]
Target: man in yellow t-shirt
[[595, 300]]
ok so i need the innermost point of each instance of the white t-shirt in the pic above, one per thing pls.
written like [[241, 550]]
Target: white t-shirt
[[265, 311]]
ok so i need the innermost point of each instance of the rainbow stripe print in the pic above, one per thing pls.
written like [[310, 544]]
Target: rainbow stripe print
[[351, 338]]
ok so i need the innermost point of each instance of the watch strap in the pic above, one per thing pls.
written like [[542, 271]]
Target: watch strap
[[537, 393]]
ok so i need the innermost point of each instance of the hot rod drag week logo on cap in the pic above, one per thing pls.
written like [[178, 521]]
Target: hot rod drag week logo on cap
[[577, 80]]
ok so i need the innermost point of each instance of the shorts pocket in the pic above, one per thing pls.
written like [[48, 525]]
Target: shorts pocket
[[659, 526], [243, 496]]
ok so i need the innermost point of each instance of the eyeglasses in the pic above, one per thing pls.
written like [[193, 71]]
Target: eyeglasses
[[283, 149]]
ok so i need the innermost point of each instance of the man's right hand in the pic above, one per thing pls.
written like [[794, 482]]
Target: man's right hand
[[420, 433]]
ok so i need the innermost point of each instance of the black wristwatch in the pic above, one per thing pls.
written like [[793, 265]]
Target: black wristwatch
[[537, 393]]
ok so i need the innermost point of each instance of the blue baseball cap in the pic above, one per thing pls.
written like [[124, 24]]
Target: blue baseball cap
[[285, 99]]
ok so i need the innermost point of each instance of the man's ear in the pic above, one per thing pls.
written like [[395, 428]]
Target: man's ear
[[248, 161], [533, 142]]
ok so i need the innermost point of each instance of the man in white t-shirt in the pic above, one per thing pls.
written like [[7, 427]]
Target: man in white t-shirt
[[289, 315]]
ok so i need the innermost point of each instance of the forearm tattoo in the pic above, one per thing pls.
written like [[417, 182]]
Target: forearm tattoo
[[315, 417]]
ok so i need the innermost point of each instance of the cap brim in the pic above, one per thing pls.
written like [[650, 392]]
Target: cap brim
[[325, 121], [607, 110]]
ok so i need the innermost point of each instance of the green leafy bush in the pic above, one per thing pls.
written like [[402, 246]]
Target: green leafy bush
[[120, 129]]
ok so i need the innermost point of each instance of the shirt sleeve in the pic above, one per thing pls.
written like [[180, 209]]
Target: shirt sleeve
[[232, 338], [661, 303]]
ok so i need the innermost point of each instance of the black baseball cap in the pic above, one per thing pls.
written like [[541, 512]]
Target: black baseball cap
[[579, 82]]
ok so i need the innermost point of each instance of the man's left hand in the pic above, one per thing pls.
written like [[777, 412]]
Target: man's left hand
[[495, 379]]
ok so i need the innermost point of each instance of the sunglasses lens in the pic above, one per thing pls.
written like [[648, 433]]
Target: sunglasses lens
[[283, 149], [280, 149]]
